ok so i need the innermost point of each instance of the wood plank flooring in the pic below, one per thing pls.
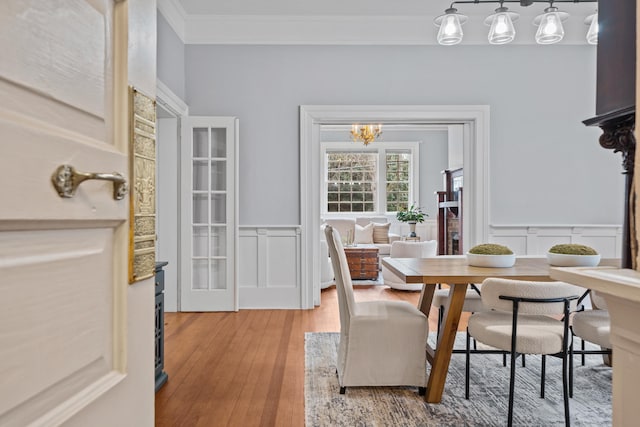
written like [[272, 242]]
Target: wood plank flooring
[[247, 368]]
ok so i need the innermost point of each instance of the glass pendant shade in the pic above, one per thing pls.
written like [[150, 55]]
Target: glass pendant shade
[[450, 23], [502, 30], [550, 28], [592, 34]]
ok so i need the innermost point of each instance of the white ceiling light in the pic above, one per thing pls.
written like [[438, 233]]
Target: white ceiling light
[[450, 24], [550, 28], [502, 30], [592, 34]]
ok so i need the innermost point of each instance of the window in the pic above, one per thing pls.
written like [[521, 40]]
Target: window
[[398, 180], [378, 181], [351, 181]]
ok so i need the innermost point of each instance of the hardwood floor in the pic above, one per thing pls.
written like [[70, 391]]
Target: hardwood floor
[[247, 368]]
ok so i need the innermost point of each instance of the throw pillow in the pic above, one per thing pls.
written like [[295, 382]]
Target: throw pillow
[[381, 232], [364, 234]]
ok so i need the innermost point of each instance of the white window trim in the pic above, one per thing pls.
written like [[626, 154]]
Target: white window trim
[[381, 149]]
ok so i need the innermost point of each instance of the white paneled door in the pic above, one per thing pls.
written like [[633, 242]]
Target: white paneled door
[[62, 259], [209, 226]]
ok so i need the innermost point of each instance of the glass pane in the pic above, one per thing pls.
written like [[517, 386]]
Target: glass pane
[[218, 241], [200, 274], [219, 274], [351, 177], [200, 209], [218, 208], [200, 174], [200, 142], [200, 241], [218, 175], [218, 142]]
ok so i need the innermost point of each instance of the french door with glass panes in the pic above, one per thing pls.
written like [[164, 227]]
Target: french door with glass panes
[[209, 226]]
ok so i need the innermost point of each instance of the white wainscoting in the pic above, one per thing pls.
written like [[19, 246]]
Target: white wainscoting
[[270, 267], [537, 239]]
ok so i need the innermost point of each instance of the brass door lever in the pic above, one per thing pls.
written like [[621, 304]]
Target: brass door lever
[[66, 180]]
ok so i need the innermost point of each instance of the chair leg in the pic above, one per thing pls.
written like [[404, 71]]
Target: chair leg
[[422, 391], [504, 359], [565, 390], [524, 365], [543, 373], [343, 390], [512, 381], [571, 370], [582, 348], [440, 319], [467, 367]]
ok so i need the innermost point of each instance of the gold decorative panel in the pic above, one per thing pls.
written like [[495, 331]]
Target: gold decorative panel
[[142, 140]]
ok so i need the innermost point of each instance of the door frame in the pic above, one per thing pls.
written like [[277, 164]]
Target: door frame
[[475, 121], [172, 104]]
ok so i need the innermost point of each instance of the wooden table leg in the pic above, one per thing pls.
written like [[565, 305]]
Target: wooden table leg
[[440, 365], [426, 296]]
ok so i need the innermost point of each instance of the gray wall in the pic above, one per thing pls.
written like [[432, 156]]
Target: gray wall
[[171, 59], [545, 167]]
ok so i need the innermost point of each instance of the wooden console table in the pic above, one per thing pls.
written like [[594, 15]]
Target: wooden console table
[[363, 262]]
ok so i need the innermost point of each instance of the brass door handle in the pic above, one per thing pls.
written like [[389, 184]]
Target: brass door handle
[[66, 180]]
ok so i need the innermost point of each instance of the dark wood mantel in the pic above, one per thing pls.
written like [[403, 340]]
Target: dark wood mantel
[[615, 101]]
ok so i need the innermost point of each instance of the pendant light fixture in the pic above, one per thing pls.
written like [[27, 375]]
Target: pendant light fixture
[[592, 34], [502, 30], [365, 133], [550, 29], [450, 24]]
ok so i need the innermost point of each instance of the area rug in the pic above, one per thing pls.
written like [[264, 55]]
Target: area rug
[[488, 403]]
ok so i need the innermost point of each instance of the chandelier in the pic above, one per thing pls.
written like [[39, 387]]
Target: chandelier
[[365, 133], [501, 29]]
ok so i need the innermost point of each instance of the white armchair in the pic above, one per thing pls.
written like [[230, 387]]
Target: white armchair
[[400, 249], [326, 270], [382, 343]]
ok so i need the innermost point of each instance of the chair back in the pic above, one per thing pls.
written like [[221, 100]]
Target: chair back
[[598, 301], [493, 288], [344, 286], [400, 249]]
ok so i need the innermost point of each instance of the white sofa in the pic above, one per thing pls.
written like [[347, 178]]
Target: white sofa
[[380, 236]]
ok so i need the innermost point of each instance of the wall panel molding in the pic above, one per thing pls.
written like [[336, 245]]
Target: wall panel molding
[[532, 239], [269, 264]]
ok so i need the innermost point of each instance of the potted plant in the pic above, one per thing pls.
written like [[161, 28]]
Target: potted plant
[[573, 255], [411, 216], [491, 255]]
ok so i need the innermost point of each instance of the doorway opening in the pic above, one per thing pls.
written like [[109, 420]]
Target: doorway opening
[[475, 136]]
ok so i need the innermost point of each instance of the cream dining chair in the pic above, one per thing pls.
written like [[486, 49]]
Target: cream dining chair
[[525, 317], [400, 249], [593, 326], [382, 343]]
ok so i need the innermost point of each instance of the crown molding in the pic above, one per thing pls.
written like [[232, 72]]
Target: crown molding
[[339, 30], [175, 15], [169, 100], [350, 30]]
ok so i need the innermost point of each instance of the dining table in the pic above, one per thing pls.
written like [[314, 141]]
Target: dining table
[[454, 270]]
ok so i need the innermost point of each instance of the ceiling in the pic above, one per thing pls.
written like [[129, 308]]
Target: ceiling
[[348, 22]]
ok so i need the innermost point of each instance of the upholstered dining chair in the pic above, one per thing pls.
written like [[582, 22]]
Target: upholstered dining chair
[[593, 326], [382, 343], [526, 317], [401, 249]]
